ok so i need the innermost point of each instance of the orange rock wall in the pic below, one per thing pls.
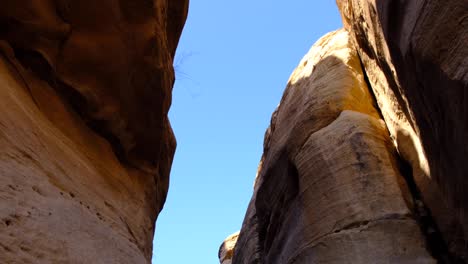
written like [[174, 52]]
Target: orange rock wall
[[85, 142]]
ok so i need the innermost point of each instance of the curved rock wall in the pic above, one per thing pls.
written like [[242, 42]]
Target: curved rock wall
[[415, 55], [85, 142], [329, 188], [365, 160]]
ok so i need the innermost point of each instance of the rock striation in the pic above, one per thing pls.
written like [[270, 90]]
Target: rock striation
[[364, 159], [329, 187], [85, 143], [416, 59]]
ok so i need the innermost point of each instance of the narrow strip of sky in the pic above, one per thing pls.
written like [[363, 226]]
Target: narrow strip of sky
[[232, 65]]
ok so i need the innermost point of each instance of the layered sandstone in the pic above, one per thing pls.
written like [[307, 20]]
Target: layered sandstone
[[329, 188], [364, 160], [85, 143], [415, 56]]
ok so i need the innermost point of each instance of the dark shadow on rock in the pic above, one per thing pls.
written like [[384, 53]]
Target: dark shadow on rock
[[436, 245], [435, 86]]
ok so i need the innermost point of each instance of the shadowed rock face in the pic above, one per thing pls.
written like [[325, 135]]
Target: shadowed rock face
[[415, 55], [330, 187], [365, 160], [111, 60], [85, 142]]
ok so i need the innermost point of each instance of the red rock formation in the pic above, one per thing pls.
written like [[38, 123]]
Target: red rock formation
[[352, 176], [85, 143]]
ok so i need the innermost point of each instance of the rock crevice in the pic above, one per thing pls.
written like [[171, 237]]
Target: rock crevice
[[373, 120], [348, 192]]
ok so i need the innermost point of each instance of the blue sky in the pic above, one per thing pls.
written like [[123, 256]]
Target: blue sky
[[232, 65]]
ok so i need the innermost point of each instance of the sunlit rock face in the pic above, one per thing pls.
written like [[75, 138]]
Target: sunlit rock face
[[330, 187], [415, 55], [85, 143], [226, 250]]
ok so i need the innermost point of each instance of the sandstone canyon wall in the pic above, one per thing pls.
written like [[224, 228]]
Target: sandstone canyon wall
[[416, 59], [85, 143], [365, 159]]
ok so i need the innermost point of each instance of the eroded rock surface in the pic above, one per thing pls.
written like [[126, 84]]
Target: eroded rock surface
[[415, 55], [85, 143], [329, 188], [226, 251]]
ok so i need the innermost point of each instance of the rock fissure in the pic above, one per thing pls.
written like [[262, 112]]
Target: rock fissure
[[364, 160], [434, 240], [413, 63], [414, 59], [435, 243], [327, 125], [353, 227], [363, 224]]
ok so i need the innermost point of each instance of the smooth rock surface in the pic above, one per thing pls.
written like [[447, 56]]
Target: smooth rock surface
[[226, 250], [85, 143], [329, 187], [415, 55]]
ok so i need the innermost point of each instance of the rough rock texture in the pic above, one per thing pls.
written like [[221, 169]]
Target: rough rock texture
[[85, 143], [329, 188], [415, 55], [226, 250]]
